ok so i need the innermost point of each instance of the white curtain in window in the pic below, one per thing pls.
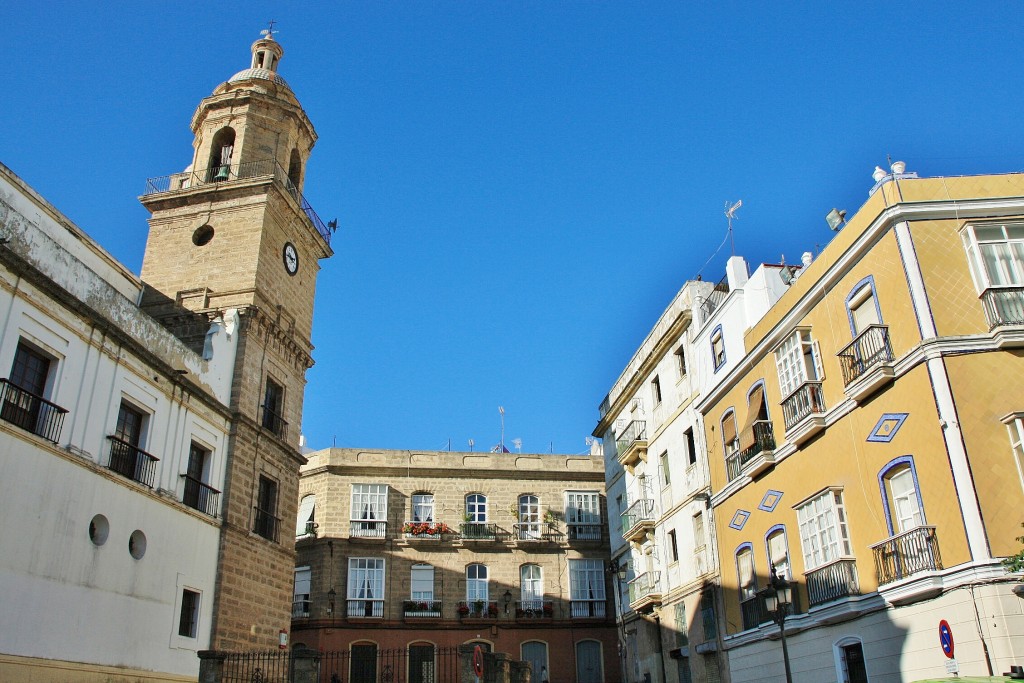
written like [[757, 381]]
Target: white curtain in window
[[531, 587], [586, 580], [905, 501], [365, 578], [369, 501], [476, 582], [582, 507], [423, 507], [778, 554], [745, 568]]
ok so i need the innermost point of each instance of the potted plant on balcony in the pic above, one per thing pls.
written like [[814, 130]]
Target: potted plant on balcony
[[492, 610], [463, 609], [478, 608], [427, 529], [549, 610]]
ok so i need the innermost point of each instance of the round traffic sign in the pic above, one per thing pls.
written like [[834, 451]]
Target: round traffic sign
[[478, 661], [946, 638]]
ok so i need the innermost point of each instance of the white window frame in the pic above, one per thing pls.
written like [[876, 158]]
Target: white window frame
[[824, 531], [531, 588], [718, 356], [582, 507], [798, 360], [1011, 263], [863, 299], [187, 642], [301, 591], [369, 503], [476, 509], [420, 576], [586, 580], [306, 515], [365, 583], [422, 507], [1015, 428], [477, 583]]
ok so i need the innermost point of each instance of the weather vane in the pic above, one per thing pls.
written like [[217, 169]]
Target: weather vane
[[269, 31]]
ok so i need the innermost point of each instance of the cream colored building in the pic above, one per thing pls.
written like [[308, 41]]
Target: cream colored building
[[420, 550], [149, 426]]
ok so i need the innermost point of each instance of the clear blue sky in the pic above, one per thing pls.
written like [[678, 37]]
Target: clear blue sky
[[520, 187]]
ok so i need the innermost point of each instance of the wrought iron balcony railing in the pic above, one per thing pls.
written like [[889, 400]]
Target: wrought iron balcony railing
[[1003, 306], [251, 170], [635, 431], [763, 435], [588, 609], [477, 609], [870, 348], [422, 609], [640, 513], [584, 532], [300, 608], [367, 528], [806, 400], [714, 300], [535, 609], [364, 609], [130, 461], [532, 531], [200, 496], [265, 524], [478, 531], [835, 580], [754, 612], [906, 554], [30, 412], [274, 422]]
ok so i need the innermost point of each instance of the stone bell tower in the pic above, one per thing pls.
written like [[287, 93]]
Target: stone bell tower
[[233, 237]]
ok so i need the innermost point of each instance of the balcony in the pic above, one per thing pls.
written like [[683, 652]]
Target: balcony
[[221, 175], [645, 592], [530, 610], [30, 412], [867, 362], [364, 609], [200, 496], [714, 300], [265, 524], [588, 609], [533, 532], [804, 412], [478, 531], [130, 461], [585, 532], [309, 531], [631, 445], [274, 423], [300, 608], [421, 609], [757, 457], [754, 611], [835, 580], [906, 554], [477, 609], [637, 520], [425, 531], [374, 529]]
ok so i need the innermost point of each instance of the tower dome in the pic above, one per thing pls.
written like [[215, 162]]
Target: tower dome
[[262, 71]]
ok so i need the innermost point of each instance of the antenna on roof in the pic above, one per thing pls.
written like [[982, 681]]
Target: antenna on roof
[[501, 410], [471, 444], [730, 213]]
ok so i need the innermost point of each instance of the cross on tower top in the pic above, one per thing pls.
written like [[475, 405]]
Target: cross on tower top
[[269, 31]]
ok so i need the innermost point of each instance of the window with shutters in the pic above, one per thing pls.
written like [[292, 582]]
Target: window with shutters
[[421, 583], [798, 360], [730, 438], [305, 521], [717, 348], [863, 308]]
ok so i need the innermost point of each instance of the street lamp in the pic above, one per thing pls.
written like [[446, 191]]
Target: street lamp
[[508, 598], [331, 595], [778, 596]]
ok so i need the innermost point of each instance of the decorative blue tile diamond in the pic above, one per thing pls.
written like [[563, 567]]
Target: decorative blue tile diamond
[[739, 519], [887, 426], [770, 500]]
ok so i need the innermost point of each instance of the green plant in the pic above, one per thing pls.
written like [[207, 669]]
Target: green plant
[[1015, 563]]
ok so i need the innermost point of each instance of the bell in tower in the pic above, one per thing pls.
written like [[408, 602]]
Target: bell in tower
[[232, 238]]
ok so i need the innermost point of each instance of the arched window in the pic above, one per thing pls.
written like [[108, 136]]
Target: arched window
[[730, 444], [531, 589], [528, 528], [862, 306], [422, 507], [757, 435], [305, 524], [476, 583], [747, 582], [476, 508], [220, 155], [901, 495], [295, 170], [849, 657]]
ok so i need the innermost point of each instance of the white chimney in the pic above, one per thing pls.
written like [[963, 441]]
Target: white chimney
[[806, 258], [879, 173]]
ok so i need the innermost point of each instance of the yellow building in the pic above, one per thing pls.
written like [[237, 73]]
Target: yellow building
[[869, 449]]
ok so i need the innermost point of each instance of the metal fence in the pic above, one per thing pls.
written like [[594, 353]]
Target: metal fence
[[362, 664]]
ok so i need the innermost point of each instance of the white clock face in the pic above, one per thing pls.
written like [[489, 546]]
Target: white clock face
[[291, 259]]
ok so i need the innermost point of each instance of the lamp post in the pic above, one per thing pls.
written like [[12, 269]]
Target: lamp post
[[618, 571], [778, 596]]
